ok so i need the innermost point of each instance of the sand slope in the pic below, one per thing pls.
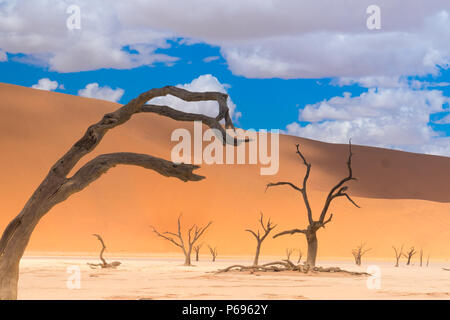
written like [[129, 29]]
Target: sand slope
[[404, 197]]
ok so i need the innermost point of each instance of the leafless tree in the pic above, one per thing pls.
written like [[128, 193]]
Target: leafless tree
[[421, 256], [58, 185], [193, 234], [260, 237], [408, 255], [300, 255], [289, 252], [428, 260], [398, 254], [197, 250], [358, 252], [104, 264], [213, 252], [339, 190]]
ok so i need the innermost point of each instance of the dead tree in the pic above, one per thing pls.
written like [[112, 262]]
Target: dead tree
[[428, 259], [197, 250], [260, 237], [104, 264], [193, 234], [300, 255], [289, 253], [421, 256], [339, 190], [408, 255], [398, 254], [59, 184], [213, 252], [358, 252]]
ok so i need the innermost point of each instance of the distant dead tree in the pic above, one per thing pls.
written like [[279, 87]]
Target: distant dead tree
[[61, 181], [197, 250], [213, 252], [398, 254], [428, 259], [104, 264], [421, 256], [408, 255], [289, 252], [358, 252], [260, 237], [300, 255], [339, 190], [193, 234]]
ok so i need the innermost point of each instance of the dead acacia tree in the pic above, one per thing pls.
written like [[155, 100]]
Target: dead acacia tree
[[59, 185], [104, 264], [358, 252], [186, 245], [398, 254], [339, 190], [213, 252], [408, 255], [267, 228], [289, 253], [197, 250], [300, 255]]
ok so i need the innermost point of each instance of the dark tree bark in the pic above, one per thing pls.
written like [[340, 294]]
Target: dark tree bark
[[197, 250], [104, 264], [57, 186], [359, 252], [408, 255], [267, 228], [398, 254], [193, 234], [213, 252], [339, 190]]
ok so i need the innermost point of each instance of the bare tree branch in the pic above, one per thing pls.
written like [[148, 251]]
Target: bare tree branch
[[293, 231]]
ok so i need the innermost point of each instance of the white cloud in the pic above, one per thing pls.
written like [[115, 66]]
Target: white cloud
[[93, 90], [38, 29], [396, 118], [206, 82], [258, 38], [3, 56], [47, 84], [210, 59]]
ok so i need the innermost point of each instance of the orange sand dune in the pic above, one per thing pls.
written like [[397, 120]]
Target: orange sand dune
[[404, 197]]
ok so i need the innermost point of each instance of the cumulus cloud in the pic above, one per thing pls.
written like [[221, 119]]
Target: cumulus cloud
[[396, 118], [38, 29], [47, 84], [206, 82], [3, 56], [93, 90], [258, 38]]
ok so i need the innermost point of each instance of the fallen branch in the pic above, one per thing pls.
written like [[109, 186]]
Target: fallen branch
[[286, 265]]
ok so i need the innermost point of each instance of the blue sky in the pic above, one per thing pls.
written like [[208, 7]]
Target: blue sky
[[318, 75]]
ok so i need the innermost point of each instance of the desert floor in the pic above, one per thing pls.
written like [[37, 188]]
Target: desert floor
[[167, 278]]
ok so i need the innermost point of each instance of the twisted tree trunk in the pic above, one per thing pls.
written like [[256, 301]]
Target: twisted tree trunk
[[311, 255], [57, 186]]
